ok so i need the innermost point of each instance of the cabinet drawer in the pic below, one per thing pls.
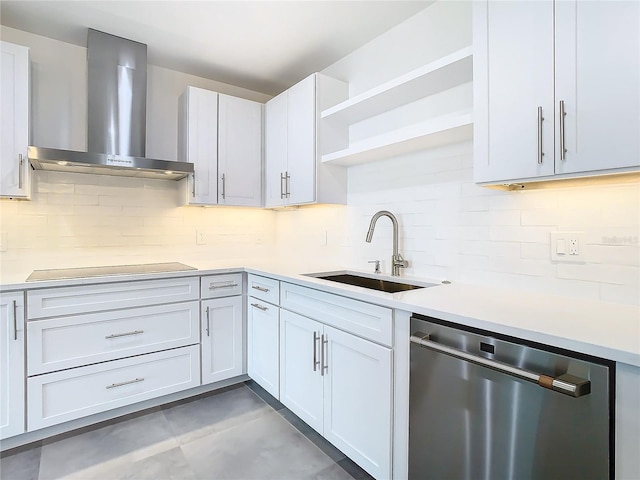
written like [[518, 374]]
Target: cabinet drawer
[[214, 286], [62, 396], [264, 288], [53, 302], [364, 319], [67, 342]]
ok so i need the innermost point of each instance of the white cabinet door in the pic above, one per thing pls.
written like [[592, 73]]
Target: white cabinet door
[[357, 400], [263, 345], [240, 152], [301, 387], [12, 398], [598, 78], [222, 335], [275, 150], [14, 110], [513, 79], [301, 141], [572, 105], [199, 144]]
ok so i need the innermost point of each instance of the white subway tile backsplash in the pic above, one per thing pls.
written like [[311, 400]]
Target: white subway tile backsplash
[[505, 217], [516, 252], [519, 234]]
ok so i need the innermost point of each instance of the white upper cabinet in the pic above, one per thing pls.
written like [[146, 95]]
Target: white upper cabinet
[[14, 109], [555, 89], [275, 149], [293, 173], [301, 142], [198, 144], [598, 79], [222, 136], [239, 151]]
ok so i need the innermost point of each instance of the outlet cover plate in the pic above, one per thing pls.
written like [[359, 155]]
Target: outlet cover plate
[[567, 247]]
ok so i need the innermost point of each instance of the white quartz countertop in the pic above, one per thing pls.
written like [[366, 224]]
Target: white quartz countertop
[[601, 329]]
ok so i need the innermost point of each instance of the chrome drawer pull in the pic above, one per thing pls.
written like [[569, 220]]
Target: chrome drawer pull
[[229, 284], [567, 384], [262, 289], [563, 149], [114, 385], [15, 320], [282, 190], [208, 322], [116, 335], [324, 340], [257, 305], [540, 120], [316, 362], [20, 163]]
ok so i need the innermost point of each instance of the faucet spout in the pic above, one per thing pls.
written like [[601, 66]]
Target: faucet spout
[[397, 261]]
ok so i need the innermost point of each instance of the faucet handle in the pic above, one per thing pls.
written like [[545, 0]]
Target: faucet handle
[[400, 262], [377, 262]]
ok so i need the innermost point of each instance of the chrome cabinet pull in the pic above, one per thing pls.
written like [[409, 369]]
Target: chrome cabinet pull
[[20, 163], [15, 320], [262, 289], [563, 150], [229, 284], [115, 385], [316, 362], [282, 189], [259, 307], [540, 120], [193, 189], [208, 322], [116, 335], [566, 384], [323, 359], [223, 186], [287, 185]]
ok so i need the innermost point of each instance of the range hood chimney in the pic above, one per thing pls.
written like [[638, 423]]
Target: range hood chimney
[[117, 101]]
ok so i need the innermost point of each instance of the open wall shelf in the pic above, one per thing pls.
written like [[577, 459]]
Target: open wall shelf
[[430, 134], [443, 74]]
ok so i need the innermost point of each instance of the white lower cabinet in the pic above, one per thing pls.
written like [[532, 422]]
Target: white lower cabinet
[[357, 400], [263, 343], [69, 394], [12, 421], [222, 338], [300, 367], [340, 385]]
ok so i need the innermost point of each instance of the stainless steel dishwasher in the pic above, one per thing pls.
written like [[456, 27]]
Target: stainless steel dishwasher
[[486, 406]]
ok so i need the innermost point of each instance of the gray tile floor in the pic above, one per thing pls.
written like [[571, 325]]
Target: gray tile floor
[[240, 432]]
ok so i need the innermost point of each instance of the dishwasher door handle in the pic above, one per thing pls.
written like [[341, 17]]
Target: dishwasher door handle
[[566, 383]]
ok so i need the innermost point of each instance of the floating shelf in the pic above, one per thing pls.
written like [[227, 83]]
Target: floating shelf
[[429, 134], [442, 74]]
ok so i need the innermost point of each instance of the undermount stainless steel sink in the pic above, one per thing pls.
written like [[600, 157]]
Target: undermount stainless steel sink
[[380, 284]]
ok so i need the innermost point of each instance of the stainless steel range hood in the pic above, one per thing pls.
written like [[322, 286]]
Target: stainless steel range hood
[[117, 100]]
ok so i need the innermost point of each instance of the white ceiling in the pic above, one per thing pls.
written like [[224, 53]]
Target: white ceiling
[[265, 46]]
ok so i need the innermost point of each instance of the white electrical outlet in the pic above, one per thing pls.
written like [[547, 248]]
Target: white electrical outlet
[[201, 238], [567, 247], [574, 246]]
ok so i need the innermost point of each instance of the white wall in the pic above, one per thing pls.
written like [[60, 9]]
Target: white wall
[[77, 219], [451, 228]]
